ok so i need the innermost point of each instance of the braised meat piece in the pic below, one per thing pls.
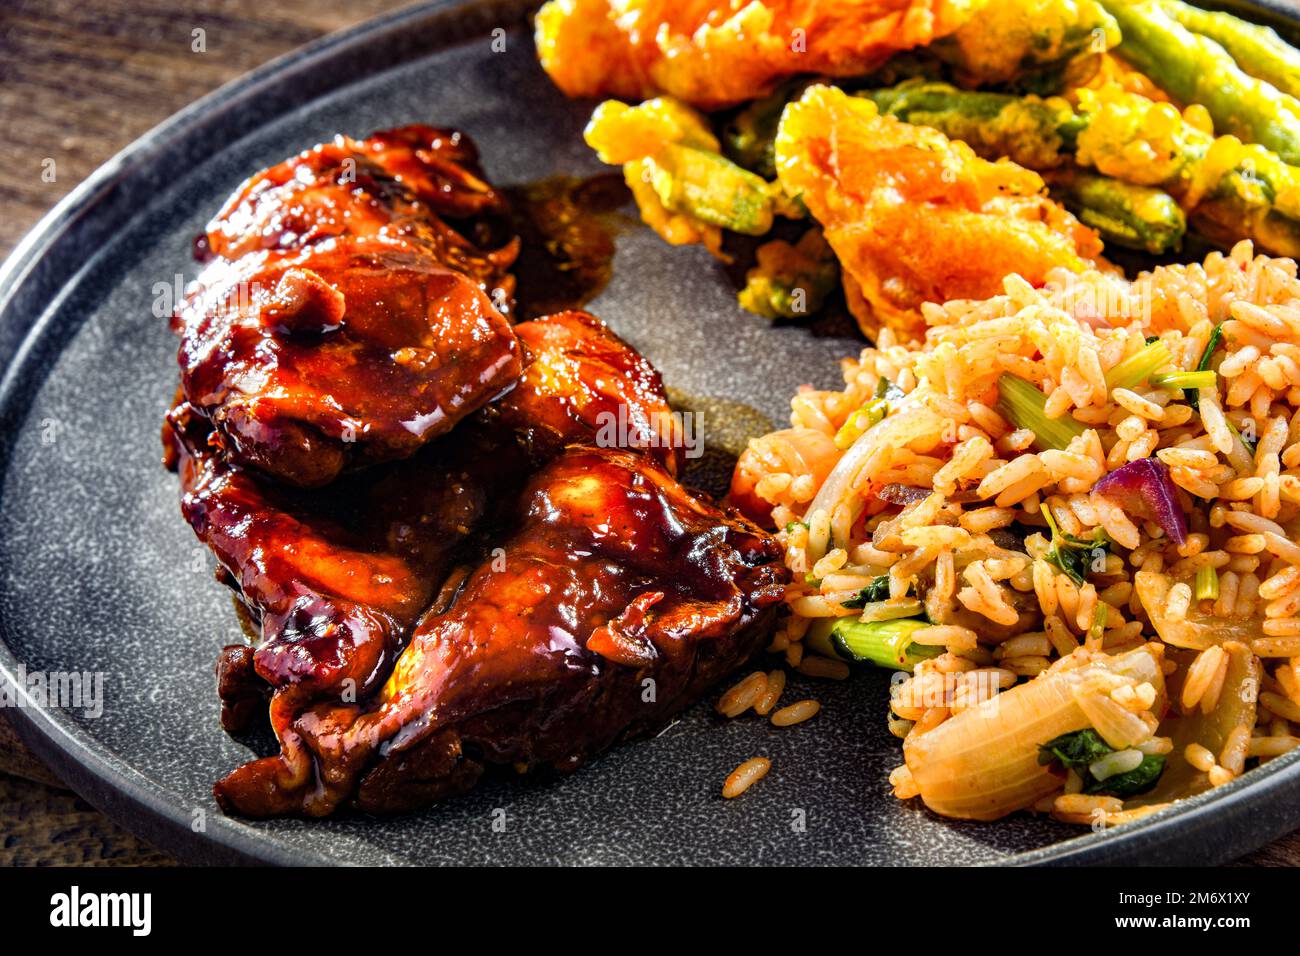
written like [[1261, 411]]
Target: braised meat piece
[[455, 543], [628, 576], [350, 312], [582, 383], [361, 355], [611, 575], [335, 578], [410, 186]]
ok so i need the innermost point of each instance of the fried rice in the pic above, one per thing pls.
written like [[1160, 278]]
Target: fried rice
[[1121, 558]]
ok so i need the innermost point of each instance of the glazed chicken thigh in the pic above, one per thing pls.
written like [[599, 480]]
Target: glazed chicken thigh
[[336, 577], [421, 619], [612, 576], [581, 383], [350, 310]]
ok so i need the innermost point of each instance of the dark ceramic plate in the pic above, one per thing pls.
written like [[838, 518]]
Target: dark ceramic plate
[[99, 574]]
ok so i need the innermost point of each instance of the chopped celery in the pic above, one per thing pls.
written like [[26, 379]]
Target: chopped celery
[[1185, 380], [1207, 584], [1136, 369], [1023, 404], [883, 643], [818, 637]]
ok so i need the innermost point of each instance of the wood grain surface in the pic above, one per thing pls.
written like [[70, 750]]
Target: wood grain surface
[[80, 79]]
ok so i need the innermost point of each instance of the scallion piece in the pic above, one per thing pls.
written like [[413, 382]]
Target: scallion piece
[[877, 590], [1192, 380], [870, 414], [1024, 404], [1207, 584], [1216, 336], [887, 389], [1248, 445], [1098, 623], [1138, 368]]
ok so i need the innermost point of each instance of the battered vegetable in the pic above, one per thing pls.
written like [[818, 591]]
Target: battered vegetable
[[1036, 133], [791, 281], [1195, 69], [751, 135], [686, 189], [1136, 217], [706, 185], [718, 53], [1007, 40], [914, 216], [1257, 49], [1228, 189]]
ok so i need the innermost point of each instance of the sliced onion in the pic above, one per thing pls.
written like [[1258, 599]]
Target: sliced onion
[[1236, 708], [982, 763], [1197, 629], [897, 494], [900, 429], [1144, 488]]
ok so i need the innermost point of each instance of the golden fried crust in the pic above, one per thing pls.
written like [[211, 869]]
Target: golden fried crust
[[914, 217], [715, 53]]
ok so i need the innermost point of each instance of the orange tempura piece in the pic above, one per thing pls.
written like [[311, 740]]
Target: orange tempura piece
[[915, 217], [715, 53]]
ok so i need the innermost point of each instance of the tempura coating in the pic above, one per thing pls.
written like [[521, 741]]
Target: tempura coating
[[1008, 41], [914, 217], [716, 53]]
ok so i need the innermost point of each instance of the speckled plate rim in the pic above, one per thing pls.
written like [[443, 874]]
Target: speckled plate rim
[[1221, 824]]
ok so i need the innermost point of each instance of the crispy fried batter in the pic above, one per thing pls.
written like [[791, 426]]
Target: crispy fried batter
[[915, 217], [632, 136], [713, 53]]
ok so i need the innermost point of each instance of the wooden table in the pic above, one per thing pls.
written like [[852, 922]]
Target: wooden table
[[80, 79]]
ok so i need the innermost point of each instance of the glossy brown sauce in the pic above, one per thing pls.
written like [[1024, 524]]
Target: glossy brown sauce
[[445, 560], [567, 228]]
